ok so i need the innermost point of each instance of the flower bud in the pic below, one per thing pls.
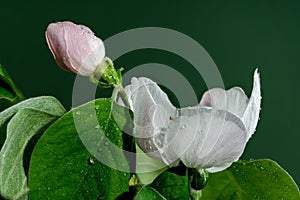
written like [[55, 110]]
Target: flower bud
[[75, 47]]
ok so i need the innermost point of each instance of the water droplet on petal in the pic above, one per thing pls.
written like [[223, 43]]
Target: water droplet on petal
[[183, 126]]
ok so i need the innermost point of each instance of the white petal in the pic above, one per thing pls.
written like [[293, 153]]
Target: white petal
[[236, 102], [251, 114], [203, 137], [233, 100], [152, 110]]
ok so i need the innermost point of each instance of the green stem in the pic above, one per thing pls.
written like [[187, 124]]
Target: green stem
[[196, 194], [123, 96], [119, 90], [197, 181]]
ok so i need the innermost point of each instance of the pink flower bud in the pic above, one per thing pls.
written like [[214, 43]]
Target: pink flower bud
[[75, 47]]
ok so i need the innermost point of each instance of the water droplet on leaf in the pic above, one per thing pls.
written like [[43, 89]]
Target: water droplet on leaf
[[97, 126], [91, 161]]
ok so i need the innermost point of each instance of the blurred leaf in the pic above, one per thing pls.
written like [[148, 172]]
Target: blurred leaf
[[173, 183], [258, 179], [26, 120], [148, 193], [9, 93], [61, 167]]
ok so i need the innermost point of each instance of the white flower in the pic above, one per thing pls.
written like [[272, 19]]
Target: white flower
[[211, 135]]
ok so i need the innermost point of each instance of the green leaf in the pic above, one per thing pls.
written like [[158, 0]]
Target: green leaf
[[148, 193], [43, 104], [9, 93], [173, 183], [61, 167], [27, 119], [148, 168], [259, 179]]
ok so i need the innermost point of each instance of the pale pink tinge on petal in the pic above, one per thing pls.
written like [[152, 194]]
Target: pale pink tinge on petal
[[235, 101], [213, 97], [75, 47]]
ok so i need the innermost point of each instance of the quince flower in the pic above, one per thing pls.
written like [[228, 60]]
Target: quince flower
[[75, 47], [211, 135]]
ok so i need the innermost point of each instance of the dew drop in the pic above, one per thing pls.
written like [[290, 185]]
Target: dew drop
[[262, 168], [106, 143], [97, 126], [183, 126], [91, 161], [77, 113], [124, 174], [97, 107]]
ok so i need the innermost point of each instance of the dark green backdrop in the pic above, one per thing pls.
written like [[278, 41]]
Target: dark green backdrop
[[238, 36]]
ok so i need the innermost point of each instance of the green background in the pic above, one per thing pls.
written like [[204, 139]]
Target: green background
[[239, 36]]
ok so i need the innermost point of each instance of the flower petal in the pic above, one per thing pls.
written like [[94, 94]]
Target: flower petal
[[152, 110], [75, 47], [203, 137], [234, 100], [251, 114]]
